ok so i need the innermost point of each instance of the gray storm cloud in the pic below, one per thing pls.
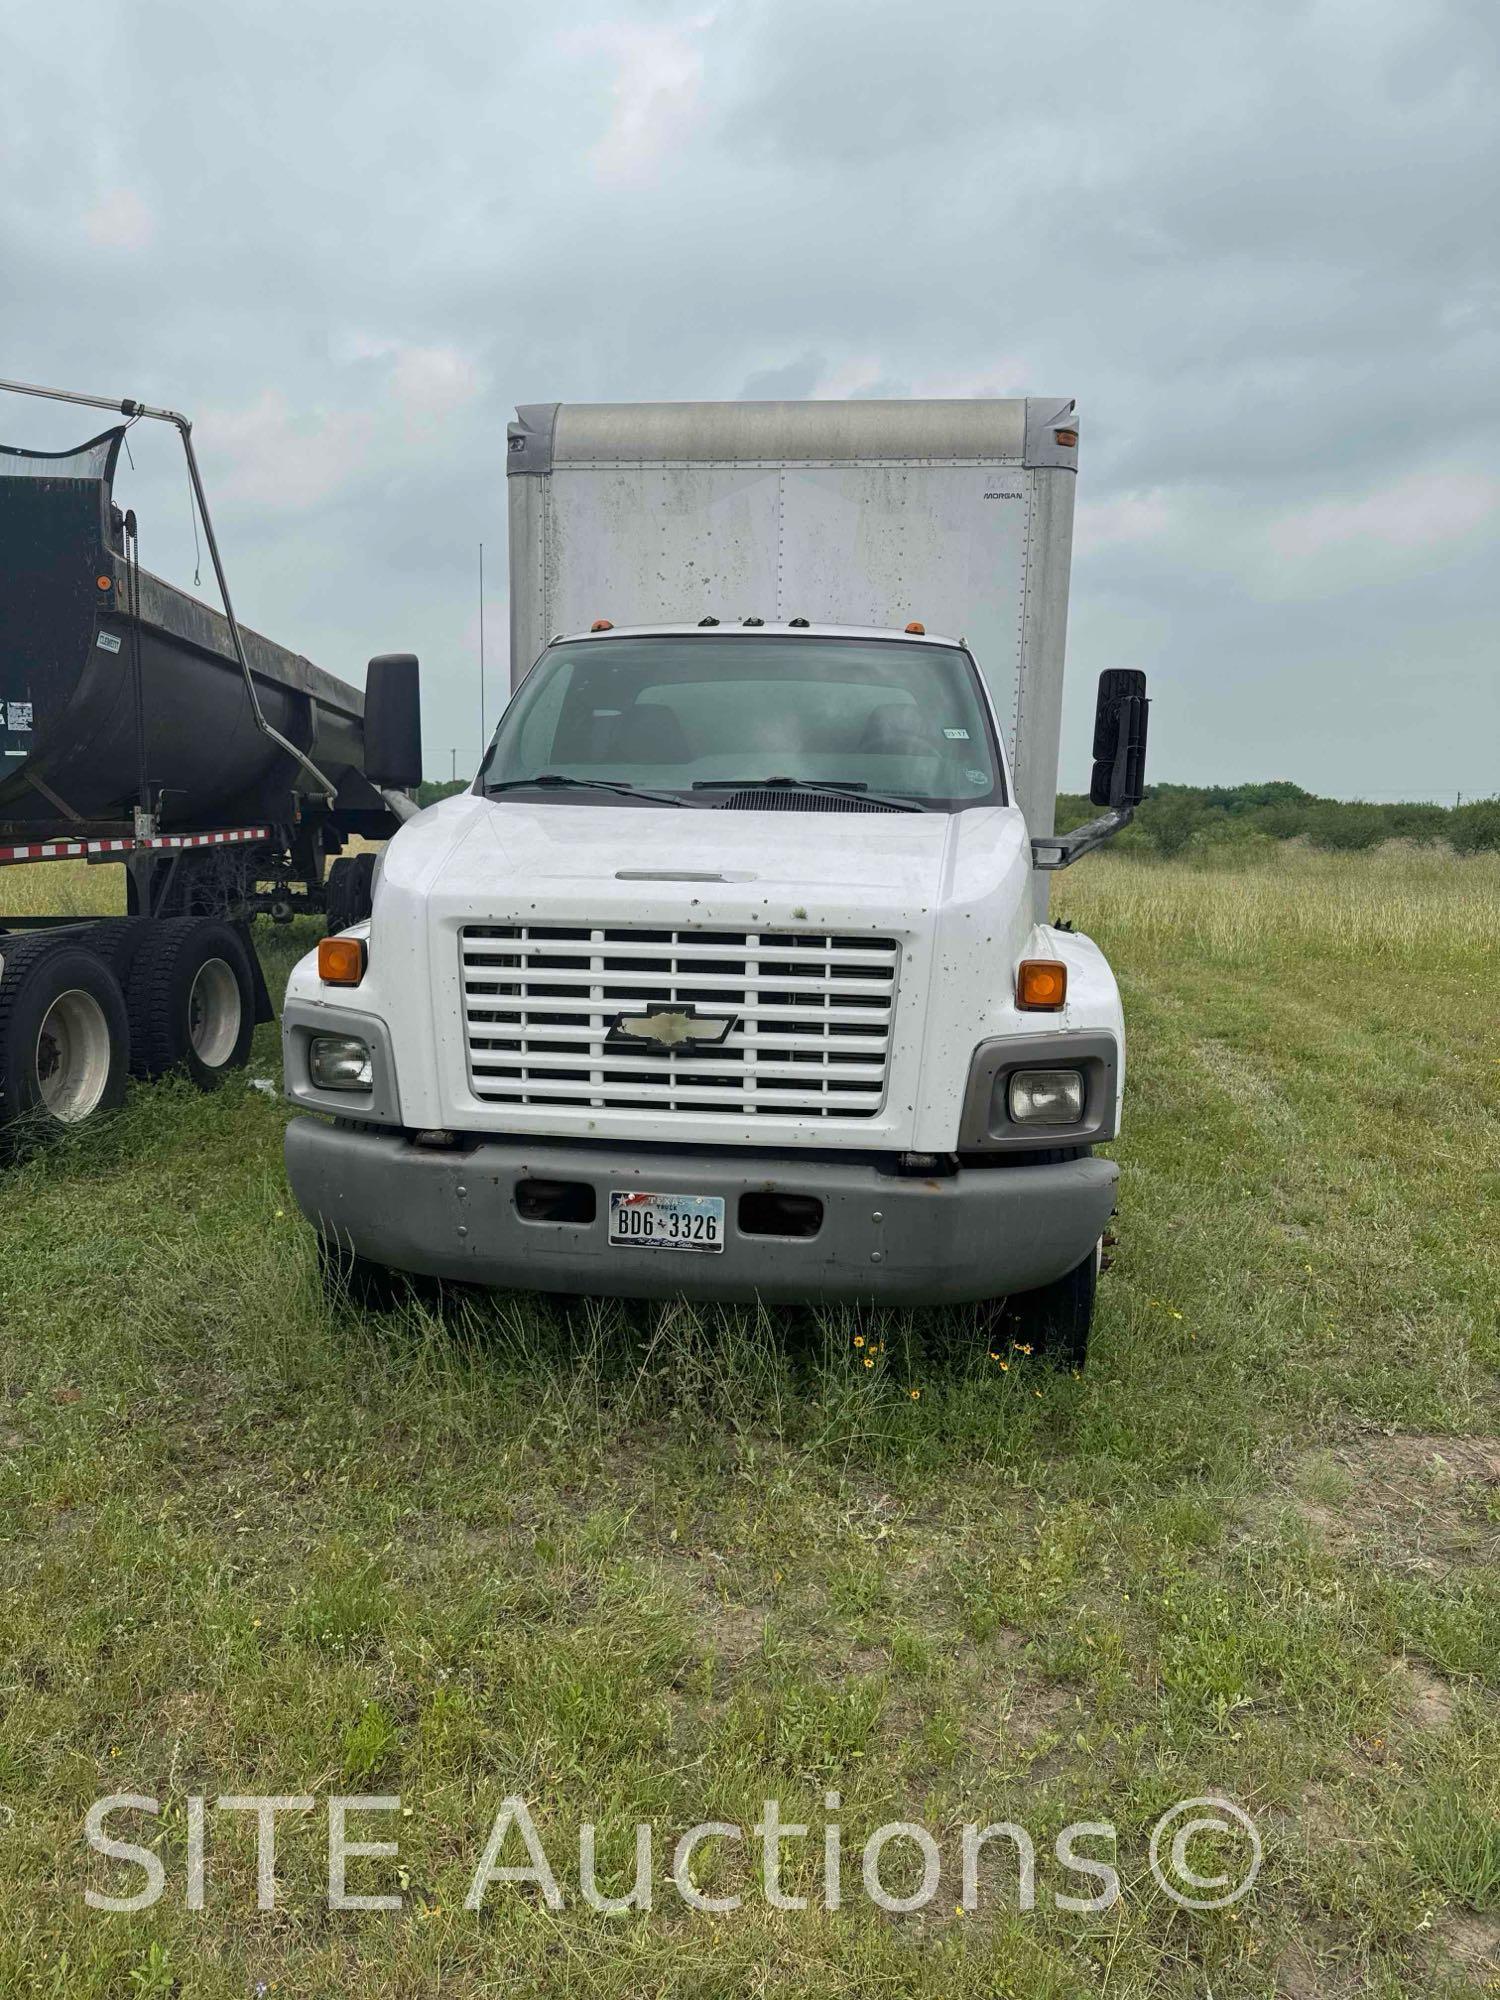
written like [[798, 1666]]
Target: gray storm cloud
[[1257, 244]]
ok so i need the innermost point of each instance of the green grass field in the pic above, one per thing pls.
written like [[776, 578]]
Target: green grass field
[[663, 1566]]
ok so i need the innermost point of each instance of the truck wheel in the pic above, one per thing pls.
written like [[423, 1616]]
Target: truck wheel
[[64, 1035], [192, 1000], [1054, 1320], [349, 1278]]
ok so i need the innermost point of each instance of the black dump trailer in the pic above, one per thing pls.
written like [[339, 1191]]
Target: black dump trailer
[[141, 727]]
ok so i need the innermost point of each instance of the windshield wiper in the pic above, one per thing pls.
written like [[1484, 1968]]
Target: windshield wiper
[[550, 780], [852, 787]]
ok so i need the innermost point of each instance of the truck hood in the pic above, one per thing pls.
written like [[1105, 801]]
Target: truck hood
[[910, 862], [951, 892]]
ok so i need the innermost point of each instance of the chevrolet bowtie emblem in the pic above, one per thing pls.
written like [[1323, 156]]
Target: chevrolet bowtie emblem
[[672, 1029]]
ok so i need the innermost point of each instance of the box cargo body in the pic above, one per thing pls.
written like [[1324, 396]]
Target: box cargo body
[[957, 514]]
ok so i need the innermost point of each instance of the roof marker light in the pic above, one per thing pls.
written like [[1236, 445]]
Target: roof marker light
[[1066, 437], [708, 621], [918, 627], [755, 621], [602, 625], [799, 624]]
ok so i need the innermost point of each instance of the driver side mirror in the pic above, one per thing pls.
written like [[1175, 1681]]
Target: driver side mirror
[[393, 721], [1120, 739]]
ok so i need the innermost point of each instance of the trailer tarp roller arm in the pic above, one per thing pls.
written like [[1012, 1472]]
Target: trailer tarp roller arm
[[128, 407]]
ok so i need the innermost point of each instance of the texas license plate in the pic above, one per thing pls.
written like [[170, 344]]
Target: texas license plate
[[666, 1221]]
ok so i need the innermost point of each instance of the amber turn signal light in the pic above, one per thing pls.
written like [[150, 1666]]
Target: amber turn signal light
[[1066, 437], [1041, 985], [341, 961]]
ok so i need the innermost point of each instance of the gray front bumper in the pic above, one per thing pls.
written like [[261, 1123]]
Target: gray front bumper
[[979, 1234]]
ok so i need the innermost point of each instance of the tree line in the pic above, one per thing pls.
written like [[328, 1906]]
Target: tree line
[[1173, 818]]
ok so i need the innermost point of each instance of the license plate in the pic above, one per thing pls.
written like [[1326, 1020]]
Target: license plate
[[666, 1221]]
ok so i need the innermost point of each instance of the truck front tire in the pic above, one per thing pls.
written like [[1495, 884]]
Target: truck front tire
[[349, 1279], [1053, 1321]]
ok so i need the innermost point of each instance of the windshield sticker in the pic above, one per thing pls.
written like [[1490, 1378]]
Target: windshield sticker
[[976, 777], [18, 715], [108, 642], [957, 735]]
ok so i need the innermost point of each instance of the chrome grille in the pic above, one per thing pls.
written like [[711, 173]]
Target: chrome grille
[[812, 1018]]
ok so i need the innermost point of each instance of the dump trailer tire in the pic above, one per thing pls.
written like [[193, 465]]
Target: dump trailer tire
[[192, 1000], [116, 940], [350, 893], [336, 894], [64, 1037], [361, 886]]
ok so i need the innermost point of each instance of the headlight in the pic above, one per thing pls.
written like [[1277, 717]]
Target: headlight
[[1012, 1103], [340, 1062], [1046, 1096]]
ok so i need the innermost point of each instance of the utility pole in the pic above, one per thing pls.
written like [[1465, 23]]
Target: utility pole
[[483, 732], [453, 774]]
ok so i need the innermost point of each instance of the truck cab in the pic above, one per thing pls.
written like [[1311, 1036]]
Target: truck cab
[[725, 980]]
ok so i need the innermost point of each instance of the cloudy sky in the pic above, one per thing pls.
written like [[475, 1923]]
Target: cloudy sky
[[1257, 242]]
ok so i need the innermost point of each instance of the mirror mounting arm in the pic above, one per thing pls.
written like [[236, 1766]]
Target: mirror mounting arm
[[1060, 850]]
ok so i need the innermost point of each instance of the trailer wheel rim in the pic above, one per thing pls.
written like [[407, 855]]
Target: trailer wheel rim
[[73, 1056], [215, 1012]]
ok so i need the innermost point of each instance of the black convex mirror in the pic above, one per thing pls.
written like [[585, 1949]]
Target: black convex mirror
[[1120, 739]]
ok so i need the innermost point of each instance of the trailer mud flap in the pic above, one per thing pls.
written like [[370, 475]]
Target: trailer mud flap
[[264, 1008]]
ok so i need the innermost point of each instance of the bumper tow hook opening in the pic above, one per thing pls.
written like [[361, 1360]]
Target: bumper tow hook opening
[[555, 1201], [768, 1213]]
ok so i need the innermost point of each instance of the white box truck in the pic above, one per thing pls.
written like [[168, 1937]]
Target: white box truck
[[730, 976]]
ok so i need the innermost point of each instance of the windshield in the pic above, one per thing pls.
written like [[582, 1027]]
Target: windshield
[[700, 717]]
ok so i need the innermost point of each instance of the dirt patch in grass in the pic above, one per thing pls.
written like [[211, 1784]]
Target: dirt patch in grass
[[1299, 1977], [1030, 1710], [736, 1632], [1428, 1700], [1467, 1943], [1419, 1503]]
